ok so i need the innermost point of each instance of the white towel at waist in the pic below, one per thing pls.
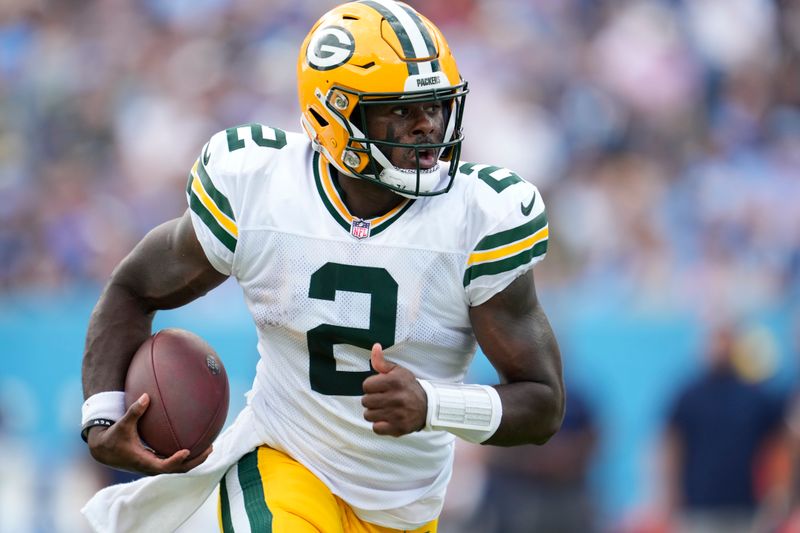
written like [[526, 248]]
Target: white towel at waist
[[162, 503]]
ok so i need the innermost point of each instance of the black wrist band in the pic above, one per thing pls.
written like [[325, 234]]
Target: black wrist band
[[92, 423]]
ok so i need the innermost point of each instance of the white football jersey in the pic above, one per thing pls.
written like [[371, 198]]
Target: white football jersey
[[323, 286]]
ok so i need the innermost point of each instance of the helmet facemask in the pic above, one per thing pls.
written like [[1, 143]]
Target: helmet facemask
[[363, 156]]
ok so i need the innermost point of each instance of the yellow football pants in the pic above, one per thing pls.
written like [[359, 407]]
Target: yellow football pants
[[268, 491]]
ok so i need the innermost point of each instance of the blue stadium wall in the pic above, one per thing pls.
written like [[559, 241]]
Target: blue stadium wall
[[629, 365]]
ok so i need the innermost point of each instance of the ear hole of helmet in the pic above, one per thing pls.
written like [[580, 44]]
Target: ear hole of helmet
[[319, 118]]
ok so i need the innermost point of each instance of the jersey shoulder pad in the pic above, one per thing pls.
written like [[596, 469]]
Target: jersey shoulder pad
[[218, 183], [242, 150], [508, 233]]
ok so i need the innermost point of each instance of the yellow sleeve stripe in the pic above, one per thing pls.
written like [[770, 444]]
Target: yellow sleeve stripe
[[223, 220], [510, 249]]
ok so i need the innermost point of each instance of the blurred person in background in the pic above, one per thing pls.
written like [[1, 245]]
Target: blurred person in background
[[544, 488], [782, 513], [717, 430]]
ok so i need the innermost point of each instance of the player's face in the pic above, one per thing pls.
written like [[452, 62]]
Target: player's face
[[419, 123]]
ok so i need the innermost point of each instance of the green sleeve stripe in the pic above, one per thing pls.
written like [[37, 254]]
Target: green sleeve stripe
[[205, 215], [253, 489], [504, 265], [218, 197], [514, 234]]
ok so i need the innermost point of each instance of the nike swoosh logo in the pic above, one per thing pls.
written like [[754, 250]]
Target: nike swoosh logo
[[206, 155], [526, 209]]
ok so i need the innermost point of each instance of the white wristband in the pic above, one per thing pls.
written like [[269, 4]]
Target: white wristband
[[109, 405], [472, 412]]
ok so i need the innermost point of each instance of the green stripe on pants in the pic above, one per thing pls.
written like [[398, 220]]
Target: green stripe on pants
[[225, 506], [250, 480]]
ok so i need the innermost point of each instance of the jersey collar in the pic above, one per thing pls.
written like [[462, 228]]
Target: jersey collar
[[331, 195]]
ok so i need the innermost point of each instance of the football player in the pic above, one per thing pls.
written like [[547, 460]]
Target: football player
[[372, 260]]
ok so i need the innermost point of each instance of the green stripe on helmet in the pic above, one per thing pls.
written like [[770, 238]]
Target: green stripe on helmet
[[423, 29], [400, 31]]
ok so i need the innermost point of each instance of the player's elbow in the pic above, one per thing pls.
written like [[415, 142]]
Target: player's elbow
[[546, 431], [550, 416], [536, 414]]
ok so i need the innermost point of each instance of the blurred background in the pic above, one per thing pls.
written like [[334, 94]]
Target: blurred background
[[663, 134]]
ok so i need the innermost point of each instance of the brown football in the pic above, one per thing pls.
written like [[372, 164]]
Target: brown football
[[188, 390]]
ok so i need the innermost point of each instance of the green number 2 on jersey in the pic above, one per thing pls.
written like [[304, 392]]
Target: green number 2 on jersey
[[257, 134], [497, 178], [382, 288]]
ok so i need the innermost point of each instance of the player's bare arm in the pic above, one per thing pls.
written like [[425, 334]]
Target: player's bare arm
[[167, 269], [514, 333]]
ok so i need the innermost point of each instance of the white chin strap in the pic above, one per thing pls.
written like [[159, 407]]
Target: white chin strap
[[406, 179]]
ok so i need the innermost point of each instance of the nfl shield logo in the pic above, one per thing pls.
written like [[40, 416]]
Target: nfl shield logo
[[359, 228]]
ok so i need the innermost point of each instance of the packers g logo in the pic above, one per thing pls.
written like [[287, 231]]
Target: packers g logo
[[330, 47]]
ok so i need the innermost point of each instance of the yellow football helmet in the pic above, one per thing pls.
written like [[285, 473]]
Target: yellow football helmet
[[378, 52]]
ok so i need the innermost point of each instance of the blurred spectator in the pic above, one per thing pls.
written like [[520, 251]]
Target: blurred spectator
[[542, 488], [782, 512], [716, 430], [665, 139]]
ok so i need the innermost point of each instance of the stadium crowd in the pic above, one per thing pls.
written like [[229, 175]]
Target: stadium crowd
[[664, 134]]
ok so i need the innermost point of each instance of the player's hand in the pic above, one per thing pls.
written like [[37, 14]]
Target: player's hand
[[394, 401], [119, 446]]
